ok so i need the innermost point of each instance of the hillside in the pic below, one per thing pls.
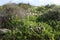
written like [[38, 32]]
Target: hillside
[[26, 22]]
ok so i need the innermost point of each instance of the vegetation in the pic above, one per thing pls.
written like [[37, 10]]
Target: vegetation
[[27, 22]]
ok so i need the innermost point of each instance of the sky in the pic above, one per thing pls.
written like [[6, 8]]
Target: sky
[[32, 2]]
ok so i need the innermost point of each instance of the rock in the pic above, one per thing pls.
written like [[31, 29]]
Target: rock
[[3, 31]]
